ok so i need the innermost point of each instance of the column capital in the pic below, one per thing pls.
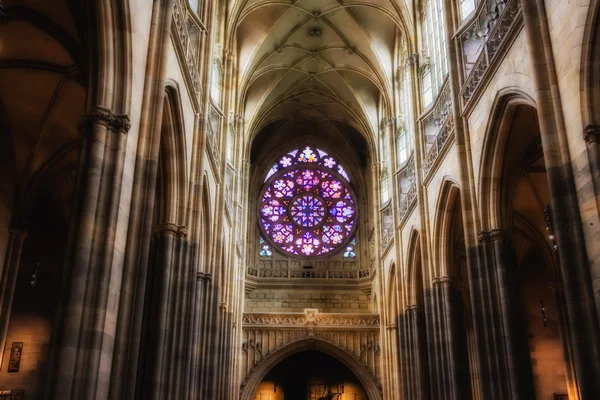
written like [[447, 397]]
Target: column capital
[[493, 235], [412, 308], [172, 229], [591, 134], [444, 281], [117, 123], [204, 276]]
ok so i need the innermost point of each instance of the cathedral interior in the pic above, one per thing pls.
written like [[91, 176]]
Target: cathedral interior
[[300, 199]]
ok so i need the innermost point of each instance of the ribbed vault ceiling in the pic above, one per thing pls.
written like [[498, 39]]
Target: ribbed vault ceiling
[[318, 66]]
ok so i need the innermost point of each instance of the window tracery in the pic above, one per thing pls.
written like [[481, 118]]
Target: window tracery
[[433, 48], [466, 8], [307, 207]]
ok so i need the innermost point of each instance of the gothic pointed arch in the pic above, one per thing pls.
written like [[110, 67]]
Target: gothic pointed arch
[[493, 193], [448, 198], [367, 380]]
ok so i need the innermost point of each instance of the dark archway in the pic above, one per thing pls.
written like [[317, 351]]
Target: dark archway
[[310, 372], [365, 378]]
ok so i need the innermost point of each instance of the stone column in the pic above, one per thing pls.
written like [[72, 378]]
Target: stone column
[[85, 337], [160, 351], [575, 268], [449, 361], [8, 280], [506, 343], [197, 334]]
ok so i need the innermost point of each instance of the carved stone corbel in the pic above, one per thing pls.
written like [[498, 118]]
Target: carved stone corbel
[[490, 236], [204, 277], [169, 228], [116, 123], [591, 134]]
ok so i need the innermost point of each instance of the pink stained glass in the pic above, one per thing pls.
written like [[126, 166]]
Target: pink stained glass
[[342, 211], [307, 155], [283, 188], [332, 189], [307, 212], [307, 179], [273, 210]]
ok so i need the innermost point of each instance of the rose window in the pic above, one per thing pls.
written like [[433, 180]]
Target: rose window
[[307, 206]]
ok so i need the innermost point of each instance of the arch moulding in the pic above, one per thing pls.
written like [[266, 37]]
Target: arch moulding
[[258, 373]]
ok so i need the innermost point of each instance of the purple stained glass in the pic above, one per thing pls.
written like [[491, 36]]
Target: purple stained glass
[[307, 210], [307, 155], [307, 207]]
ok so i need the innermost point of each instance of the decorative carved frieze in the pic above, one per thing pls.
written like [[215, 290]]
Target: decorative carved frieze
[[117, 123], [264, 334], [315, 319], [591, 134]]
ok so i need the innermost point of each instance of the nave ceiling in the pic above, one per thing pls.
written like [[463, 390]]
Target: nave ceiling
[[316, 67]]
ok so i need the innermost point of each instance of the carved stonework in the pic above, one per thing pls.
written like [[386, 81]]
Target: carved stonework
[[204, 277], [310, 318], [443, 281], [117, 123], [591, 134], [411, 59], [493, 235], [169, 228]]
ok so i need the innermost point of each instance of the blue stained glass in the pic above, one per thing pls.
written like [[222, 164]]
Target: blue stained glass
[[307, 211]]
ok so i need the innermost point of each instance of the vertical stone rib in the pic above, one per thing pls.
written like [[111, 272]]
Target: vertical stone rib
[[8, 280]]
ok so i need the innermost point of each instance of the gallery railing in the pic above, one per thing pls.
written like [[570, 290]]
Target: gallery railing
[[438, 124], [482, 38], [188, 30]]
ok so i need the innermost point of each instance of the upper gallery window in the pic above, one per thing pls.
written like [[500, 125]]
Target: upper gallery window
[[466, 8], [433, 48], [307, 207]]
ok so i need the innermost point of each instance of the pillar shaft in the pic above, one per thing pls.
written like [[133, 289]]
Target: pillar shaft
[[8, 280]]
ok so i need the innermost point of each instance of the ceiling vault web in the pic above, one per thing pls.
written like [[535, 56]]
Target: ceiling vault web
[[323, 65]]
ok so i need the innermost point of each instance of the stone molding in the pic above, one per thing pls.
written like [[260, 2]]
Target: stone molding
[[591, 134], [204, 277], [490, 236], [117, 123], [413, 307], [172, 229], [312, 319], [443, 281]]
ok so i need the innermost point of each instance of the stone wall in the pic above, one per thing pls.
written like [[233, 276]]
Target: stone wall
[[296, 300]]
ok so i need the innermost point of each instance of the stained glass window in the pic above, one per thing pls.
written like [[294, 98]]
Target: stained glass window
[[307, 206], [350, 251], [265, 249]]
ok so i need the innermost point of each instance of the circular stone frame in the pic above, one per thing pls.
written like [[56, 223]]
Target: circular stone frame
[[276, 246]]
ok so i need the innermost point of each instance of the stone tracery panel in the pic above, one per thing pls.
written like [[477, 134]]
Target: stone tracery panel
[[356, 334]]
